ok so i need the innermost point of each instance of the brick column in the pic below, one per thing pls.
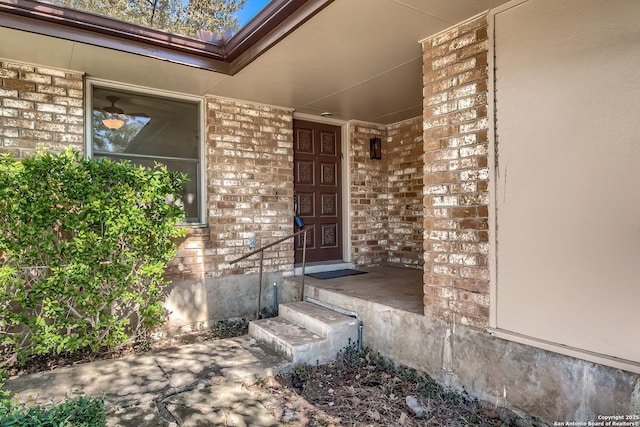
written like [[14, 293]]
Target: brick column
[[456, 279]]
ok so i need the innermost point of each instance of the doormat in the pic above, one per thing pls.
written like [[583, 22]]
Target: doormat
[[334, 274]]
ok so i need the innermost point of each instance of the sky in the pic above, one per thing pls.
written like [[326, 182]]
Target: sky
[[250, 9]]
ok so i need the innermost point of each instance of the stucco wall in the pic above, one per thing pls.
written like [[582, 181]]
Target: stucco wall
[[567, 201]]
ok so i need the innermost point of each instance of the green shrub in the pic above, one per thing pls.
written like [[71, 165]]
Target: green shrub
[[79, 411], [83, 249]]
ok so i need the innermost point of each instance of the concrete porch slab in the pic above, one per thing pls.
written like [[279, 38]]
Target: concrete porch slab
[[396, 287]]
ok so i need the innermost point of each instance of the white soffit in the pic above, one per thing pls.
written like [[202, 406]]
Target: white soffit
[[452, 11], [360, 59], [139, 70], [349, 44], [35, 49], [395, 90]]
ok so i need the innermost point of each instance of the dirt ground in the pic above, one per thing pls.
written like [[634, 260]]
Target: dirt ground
[[361, 388], [364, 389]]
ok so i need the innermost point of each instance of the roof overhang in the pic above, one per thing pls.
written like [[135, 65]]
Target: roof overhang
[[278, 19]]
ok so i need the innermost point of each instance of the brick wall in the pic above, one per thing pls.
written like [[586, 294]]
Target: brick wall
[[249, 176], [249, 159], [405, 169], [190, 261], [369, 192], [456, 175], [249, 184], [40, 108]]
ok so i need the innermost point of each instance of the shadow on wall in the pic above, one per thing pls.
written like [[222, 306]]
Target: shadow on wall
[[197, 304]]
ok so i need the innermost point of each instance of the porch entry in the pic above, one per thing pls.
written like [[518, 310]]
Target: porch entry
[[317, 158]]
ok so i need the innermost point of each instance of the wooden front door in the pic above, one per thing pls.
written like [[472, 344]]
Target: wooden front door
[[317, 183]]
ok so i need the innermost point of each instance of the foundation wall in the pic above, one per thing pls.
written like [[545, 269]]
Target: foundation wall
[[525, 379]]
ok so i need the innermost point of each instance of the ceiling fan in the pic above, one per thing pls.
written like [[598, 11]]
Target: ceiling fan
[[115, 117]]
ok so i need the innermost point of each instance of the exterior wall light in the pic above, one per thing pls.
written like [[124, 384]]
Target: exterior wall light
[[375, 148]]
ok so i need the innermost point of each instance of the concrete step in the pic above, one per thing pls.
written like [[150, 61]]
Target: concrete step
[[292, 341], [306, 333], [315, 318]]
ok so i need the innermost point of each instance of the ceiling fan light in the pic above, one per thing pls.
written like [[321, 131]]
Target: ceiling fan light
[[113, 122]]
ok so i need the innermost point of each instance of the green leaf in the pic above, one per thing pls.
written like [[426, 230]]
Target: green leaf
[[84, 248]]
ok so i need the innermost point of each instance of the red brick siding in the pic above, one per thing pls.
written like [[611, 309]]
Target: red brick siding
[[456, 280], [405, 170], [369, 192], [40, 108], [249, 184]]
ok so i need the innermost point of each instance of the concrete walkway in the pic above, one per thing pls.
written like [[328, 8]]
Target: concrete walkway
[[191, 385]]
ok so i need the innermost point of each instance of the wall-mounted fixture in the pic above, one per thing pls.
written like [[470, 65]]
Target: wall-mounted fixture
[[375, 148]]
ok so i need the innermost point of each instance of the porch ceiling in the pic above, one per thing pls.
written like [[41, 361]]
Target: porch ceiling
[[358, 59]]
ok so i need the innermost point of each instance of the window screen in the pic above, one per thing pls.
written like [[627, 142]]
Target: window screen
[[146, 129]]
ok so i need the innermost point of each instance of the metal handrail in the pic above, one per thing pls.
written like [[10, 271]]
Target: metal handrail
[[267, 246]]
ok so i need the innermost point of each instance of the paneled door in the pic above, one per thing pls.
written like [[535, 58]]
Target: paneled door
[[317, 184]]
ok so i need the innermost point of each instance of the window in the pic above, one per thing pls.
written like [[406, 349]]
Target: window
[[146, 128]]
